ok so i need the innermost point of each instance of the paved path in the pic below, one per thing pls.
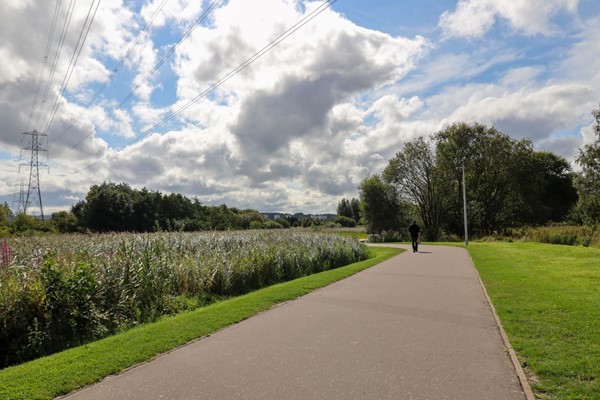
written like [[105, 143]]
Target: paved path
[[417, 326]]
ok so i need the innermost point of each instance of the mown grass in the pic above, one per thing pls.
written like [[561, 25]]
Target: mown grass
[[548, 299], [64, 372]]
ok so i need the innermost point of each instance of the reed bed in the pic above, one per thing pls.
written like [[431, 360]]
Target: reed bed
[[60, 291]]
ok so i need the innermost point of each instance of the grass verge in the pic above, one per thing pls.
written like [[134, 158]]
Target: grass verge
[[548, 298], [64, 372]]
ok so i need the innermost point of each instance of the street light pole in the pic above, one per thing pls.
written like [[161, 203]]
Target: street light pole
[[465, 204]]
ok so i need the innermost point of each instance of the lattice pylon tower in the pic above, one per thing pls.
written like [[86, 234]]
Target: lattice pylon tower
[[33, 196], [20, 202]]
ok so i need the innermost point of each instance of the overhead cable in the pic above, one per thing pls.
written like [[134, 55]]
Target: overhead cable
[[171, 50], [57, 54], [303, 21], [114, 71], [306, 19], [43, 68], [202, 17], [85, 30]]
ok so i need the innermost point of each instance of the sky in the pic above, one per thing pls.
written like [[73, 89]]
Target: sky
[[188, 96]]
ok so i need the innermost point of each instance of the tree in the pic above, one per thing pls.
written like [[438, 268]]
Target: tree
[[346, 222], [107, 207], [381, 207], [5, 218], [355, 207], [418, 180], [349, 209], [558, 193], [498, 177], [65, 222], [344, 209], [588, 182]]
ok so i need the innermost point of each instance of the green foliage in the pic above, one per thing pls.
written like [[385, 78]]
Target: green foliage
[[381, 207], [414, 173], [349, 208], [588, 182], [498, 176], [111, 207], [508, 184], [283, 222], [345, 222], [256, 225], [59, 291], [272, 225], [558, 194], [5, 214], [27, 224], [569, 235], [547, 299], [65, 222]]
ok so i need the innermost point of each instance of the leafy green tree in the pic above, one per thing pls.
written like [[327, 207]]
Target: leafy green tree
[[5, 220], [381, 207], [498, 177], [414, 173], [588, 182], [344, 209], [349, 208], [355, 208], [283, 222], [558, 193], [346, 222], [147, 210], [65, 222], [108, 207], [27, 223]]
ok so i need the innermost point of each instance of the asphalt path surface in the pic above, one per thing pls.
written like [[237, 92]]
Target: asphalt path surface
[[417, 326]]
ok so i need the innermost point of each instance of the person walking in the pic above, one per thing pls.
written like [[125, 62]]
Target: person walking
[[414, 234]]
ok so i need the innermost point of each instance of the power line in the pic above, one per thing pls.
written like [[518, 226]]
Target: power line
[[303, 21], [43, 68], [73, 62], [171, 50], [202, 17], [114, 71], [56, 57], [237, 70]]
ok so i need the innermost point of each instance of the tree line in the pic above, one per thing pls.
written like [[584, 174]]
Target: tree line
[[508, 184], [117, 207]]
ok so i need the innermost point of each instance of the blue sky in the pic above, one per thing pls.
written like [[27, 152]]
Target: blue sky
[[302, 126]]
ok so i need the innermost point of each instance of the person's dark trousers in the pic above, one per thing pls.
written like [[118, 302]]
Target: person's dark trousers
[[415, 244]]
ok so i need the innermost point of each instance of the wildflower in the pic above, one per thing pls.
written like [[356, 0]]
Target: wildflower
[[6, 254]]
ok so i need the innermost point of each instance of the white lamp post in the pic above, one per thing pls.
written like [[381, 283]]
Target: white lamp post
[[465, 203]]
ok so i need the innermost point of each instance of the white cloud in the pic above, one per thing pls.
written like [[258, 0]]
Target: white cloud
[[533, 114], [474, 18], [305, 123]]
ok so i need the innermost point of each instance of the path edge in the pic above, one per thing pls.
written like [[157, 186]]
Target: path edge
[[513, 356]]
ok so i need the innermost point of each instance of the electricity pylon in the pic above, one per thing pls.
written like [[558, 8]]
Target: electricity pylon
[[33, 194]]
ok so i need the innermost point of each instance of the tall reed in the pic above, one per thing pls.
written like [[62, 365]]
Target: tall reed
[[60, 291]]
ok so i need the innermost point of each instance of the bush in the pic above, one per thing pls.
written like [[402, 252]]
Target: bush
[[283, 222], [345, 221], [272, 225], [256, 225]]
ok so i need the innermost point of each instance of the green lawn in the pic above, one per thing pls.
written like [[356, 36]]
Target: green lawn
[[548, 299], [64, 372]]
